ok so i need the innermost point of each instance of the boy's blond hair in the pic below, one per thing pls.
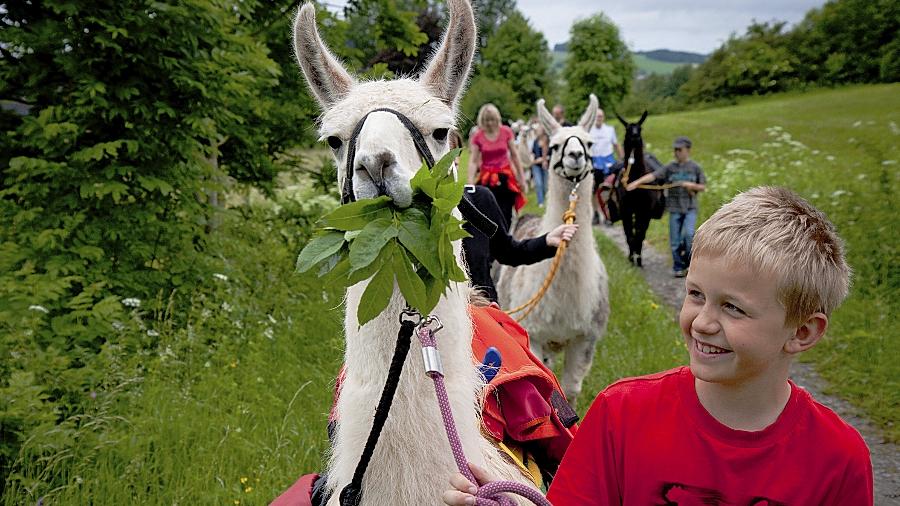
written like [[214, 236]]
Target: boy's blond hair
[[775, 231], [487, 109]]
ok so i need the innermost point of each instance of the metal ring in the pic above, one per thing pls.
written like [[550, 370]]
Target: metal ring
[[412, 314], [432, 319]]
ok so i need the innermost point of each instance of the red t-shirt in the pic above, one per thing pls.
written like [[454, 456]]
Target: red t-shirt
[[494, 153], [649, 441]]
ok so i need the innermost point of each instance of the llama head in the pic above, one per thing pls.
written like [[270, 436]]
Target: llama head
[[569, 146], [633, 138], [381, 146]]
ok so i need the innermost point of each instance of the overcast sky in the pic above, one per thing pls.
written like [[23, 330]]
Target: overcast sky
[[698, 26]]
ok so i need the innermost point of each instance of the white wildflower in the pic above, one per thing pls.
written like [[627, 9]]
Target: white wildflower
[[220, 277], [152, 333], [272, 319], [131, 302], [269, 333], [207, 364], [814, 195], [815, 151], [889, 162], [861, 177], [206, 313], [856, 124], [829, 158], [119, 326], [226, 307], [838, 193], [894, 128], [35, 307]]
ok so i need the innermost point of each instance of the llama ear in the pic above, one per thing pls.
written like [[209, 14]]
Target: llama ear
[[547, 120], [448, 69], [327, 78], [643, 117], [590, 114], [622, 120]]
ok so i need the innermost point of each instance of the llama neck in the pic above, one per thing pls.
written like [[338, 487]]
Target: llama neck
[[557, 202]]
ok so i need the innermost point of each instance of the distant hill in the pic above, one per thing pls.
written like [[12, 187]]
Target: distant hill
[[658, 61], [669, 56]]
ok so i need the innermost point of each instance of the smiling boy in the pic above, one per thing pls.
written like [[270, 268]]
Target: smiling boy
[[767, 271]]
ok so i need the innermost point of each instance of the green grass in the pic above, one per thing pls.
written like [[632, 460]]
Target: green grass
[[839, 149]]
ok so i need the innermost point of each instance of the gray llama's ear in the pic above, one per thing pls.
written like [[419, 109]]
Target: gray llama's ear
[[547, 120], [622, 120], [327, 78], [448, 69], [590, 114], [643, 117]]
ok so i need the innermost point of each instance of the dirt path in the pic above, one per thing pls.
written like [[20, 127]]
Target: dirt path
[[885, 456]]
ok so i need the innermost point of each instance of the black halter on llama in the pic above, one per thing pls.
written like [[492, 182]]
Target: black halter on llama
[[637, 207]]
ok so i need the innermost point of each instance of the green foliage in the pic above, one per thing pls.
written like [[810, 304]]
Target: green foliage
[[758, 63], [376, 30], [518, 55], [847, 41], [489, 15], [599, 62], [657, 93], [483, 90], [370, 238]]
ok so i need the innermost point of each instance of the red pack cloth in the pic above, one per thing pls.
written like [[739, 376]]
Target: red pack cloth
[[517, 401], [299, 494]]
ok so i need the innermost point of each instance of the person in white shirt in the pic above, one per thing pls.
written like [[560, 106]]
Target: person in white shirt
[[606, 146]]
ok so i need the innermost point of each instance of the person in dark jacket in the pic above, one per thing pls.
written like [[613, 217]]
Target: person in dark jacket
[[481, 250]]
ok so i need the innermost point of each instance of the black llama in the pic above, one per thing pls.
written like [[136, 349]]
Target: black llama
[[636, 208]]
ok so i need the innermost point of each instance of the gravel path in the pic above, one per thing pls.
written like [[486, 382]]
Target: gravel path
[[885, 455]]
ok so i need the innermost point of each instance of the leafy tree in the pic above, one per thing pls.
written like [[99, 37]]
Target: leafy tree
[[489, 15], [383, 35], [847, 41], [124, 105], [519, 56], [599, 62], [759, 62]]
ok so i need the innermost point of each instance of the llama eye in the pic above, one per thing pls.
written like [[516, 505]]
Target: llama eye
[[335, 142], [440, 134]]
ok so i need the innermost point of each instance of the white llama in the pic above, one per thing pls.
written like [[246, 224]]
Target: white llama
[[412, 461], [574, 311]]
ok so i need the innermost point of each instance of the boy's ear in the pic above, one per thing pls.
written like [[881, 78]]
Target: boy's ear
[[807, 334]]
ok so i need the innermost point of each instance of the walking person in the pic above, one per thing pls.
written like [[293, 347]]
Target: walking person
[[603, 155], [540, 149], [493, 162], [681, 201]]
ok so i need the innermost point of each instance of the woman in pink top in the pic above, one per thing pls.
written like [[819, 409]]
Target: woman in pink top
[[493, 162]]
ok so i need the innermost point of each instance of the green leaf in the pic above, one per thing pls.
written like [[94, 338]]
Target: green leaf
[[353, 277], [415, 235], [411, 285], [424, 182], [441, 169], [356, 215], [365, 248], [318, 249], [434, 288], [376, 296]]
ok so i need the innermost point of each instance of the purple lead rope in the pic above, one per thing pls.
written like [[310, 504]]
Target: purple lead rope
[[492, 493]]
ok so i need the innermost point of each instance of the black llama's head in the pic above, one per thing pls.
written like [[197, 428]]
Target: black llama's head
[[633, 138]]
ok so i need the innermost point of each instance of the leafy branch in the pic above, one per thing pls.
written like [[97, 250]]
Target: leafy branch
[[373, 239]]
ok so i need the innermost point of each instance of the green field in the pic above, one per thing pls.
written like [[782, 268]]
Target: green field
[[231, 407]]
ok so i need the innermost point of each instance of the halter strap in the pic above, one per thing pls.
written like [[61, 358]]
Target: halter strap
[[559, 164], [469, 211], [417, 138]]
